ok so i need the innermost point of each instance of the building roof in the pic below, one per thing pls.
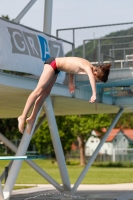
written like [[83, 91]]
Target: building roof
[[128, 133], [112, 135]]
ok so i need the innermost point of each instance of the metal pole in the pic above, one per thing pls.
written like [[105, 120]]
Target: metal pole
[[57, 33], [73, 36], [125, 61], [6, 172], [73, 50], [47, 16], [99, 52], [113, 155], [113, 51], [57, 143], [32, 164], [1, 192], [39, 123], [24, 11], [74, 41], [113, 55], [96, 151], [110, 52], [102, 56], [83, 48], [3, 174], [17, 163]]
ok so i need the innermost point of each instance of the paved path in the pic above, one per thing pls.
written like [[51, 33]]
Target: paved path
[[84, 192]]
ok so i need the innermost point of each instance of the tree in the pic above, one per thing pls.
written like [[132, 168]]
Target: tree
[[9, 128], [126, 121], [5, 17], [71, 128], [67, 137], [42, 137], [83, 126]]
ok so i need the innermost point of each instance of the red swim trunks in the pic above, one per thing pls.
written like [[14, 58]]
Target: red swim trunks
[[52, 63]]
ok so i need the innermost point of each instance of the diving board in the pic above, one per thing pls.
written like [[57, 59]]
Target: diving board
[[21, 157]]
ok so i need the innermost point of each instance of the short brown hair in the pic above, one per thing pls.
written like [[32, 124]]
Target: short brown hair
[[103, 72]]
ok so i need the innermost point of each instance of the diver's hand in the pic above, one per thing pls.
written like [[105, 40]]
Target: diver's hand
[[71, 87], [93, 99]]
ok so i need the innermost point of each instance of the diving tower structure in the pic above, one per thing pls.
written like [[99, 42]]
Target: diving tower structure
[[14, 91], [115, 96], [24, 50]]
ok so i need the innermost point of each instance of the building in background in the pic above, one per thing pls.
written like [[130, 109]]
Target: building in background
[[117, 147]]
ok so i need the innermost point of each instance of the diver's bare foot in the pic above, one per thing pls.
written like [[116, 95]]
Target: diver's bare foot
[[30, 124], [21, 123]]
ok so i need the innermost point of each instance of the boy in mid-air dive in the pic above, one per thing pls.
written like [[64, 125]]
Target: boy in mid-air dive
[[52, 66]]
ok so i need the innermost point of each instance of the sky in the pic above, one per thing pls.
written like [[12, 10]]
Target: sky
[[71, 13]]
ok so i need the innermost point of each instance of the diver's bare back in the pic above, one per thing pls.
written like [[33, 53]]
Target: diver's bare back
[[72, 64]]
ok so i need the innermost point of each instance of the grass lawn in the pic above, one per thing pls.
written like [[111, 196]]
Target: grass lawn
[[96, 175], [21, 187]]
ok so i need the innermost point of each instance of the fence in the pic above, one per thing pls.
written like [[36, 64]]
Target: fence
[[90, 42], [122, 155]]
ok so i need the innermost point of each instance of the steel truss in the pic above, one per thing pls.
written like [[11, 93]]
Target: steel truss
[[22, 149]]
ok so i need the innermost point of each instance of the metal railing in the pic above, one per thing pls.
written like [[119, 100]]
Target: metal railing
[[101, 52], [77, 34], [79, 37]]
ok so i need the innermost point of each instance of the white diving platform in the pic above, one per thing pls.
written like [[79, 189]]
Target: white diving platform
[[14, 91]]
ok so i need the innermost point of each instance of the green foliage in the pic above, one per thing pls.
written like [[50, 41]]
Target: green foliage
[[69, 128], [9, 128], [67, 137], [126, 121], [6, 17], [113, 165], [84, 124], [42, 139]]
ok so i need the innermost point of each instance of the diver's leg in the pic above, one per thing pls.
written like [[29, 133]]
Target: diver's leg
[[38, 103], [45, 79]]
